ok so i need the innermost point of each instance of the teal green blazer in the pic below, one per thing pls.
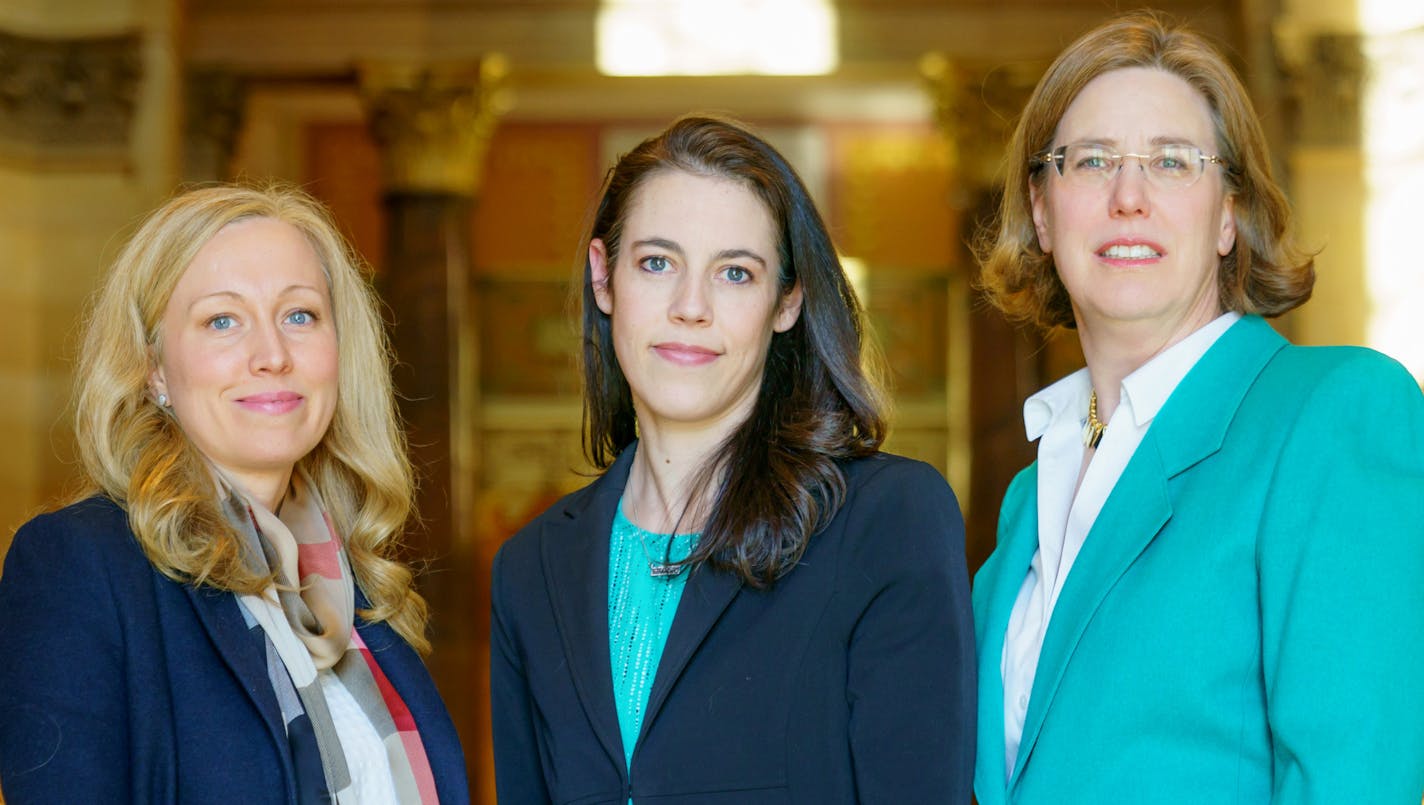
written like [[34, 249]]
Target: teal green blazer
[[1245, 622]]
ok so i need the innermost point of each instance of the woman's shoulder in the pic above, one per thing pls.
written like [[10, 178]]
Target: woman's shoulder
[[900, 519], [87, 539], [890, 472], [885, 488], [1358, 376], [95, 511], [98, 522], [1327, 359]]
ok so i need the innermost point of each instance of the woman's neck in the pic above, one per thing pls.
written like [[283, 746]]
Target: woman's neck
[[1117, 349], [659, 496], [265, 489]]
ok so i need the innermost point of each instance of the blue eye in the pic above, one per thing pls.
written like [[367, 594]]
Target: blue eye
[[221, 322], [1091, 160], [736, 274], [301, 317], [1174, 160], [655, 264]]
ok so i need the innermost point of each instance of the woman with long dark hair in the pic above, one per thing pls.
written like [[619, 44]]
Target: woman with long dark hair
[[752, 603]]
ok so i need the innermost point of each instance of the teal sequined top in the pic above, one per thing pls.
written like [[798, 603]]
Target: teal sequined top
[[640, 612]]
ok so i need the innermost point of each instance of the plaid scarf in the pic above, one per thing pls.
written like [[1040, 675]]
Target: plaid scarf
[[308, 628]]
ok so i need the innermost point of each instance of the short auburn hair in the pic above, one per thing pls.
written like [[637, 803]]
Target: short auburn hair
[[1267, 272]]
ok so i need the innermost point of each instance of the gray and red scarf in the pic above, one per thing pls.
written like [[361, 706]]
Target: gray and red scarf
[[307, 623]]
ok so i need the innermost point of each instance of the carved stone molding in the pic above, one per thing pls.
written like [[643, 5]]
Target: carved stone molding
[[68, 101], [213, 115], [434, 122], [1324, 79], [976, 107]]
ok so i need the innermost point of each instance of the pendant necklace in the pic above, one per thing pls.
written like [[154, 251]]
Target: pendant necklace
[[666, 569], [1093, 429]]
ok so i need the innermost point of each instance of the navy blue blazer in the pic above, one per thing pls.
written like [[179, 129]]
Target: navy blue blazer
[[852, 680], [119, 684]]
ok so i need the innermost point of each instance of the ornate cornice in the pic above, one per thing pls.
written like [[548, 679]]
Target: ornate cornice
[[68, 101], [434, 122]]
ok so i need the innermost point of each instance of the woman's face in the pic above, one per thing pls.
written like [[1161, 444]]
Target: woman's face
[[1130, 253], [249, 353], [694, 299]]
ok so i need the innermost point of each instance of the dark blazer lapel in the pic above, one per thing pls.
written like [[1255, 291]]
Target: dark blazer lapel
[[244, 652], [576, 562], [575, 555], [401, 665], [1190, 427], [704, 599], [241, 646], [996, 587], [407, 674]]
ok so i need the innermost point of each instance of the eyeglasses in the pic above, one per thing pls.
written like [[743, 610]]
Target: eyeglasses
[[1170, 167]]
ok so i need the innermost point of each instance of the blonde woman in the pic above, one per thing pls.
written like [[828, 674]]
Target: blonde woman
[[222, 620]]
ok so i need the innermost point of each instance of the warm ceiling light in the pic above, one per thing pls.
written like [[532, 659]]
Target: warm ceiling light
[[717, 37]]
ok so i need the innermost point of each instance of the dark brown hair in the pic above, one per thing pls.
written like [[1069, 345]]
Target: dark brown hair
[[1266, 271], [775, 481]]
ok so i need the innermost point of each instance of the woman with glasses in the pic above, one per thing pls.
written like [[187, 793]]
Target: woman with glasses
[[1210, 586], [751, 604]]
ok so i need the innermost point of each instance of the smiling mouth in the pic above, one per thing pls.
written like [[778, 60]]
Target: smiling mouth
[[685, 354], [272, 403], [1136, 251]]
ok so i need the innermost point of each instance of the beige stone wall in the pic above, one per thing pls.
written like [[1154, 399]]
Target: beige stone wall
[[63, 211], [1325, 164], [1329, 198]]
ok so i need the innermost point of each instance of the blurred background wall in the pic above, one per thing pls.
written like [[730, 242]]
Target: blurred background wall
[[461, 144]]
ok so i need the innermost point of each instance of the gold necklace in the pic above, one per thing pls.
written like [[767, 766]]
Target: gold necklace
[[1093, 430]]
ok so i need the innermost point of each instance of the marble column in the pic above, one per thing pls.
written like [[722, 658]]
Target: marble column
[[433, 125]]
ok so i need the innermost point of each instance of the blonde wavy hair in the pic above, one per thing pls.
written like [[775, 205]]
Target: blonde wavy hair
[[135, 453]]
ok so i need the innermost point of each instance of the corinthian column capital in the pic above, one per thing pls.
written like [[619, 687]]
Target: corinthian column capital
[[433, 122], [976, 106], [1325, 73]]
